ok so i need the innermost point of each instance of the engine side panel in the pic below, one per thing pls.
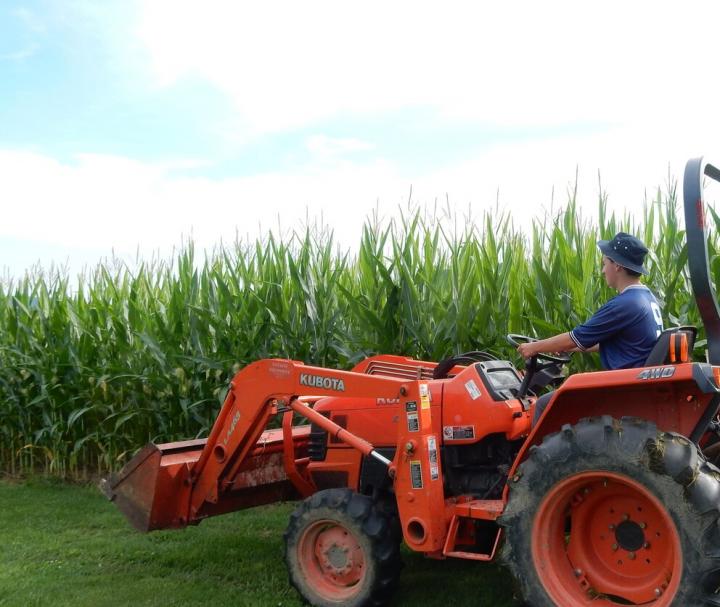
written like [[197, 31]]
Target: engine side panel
[[471, 412]]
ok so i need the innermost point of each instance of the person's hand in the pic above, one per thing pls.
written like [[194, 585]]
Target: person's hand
[[527, 350]]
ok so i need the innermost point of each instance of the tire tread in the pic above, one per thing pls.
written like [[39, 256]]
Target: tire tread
[[630, 446]]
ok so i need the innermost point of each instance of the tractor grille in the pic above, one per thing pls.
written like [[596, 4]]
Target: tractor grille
[[399, 370], [317, 446]]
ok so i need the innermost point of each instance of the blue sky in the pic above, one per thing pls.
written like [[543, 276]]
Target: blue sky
[[70, 90], [125, 126]]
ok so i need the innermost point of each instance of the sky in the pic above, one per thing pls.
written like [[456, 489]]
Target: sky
[[127, 127]]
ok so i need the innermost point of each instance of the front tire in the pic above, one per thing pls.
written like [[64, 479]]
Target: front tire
[[614, 512], [340, 550]]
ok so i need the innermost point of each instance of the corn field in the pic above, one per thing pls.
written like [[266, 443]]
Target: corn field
[[92, 369]]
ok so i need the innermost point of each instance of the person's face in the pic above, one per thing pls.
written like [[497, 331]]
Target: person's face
[[610, 271]]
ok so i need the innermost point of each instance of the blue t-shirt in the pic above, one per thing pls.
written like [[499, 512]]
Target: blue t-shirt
[[626, 328]]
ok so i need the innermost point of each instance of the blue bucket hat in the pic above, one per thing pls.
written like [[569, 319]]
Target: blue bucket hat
[[625, 250]]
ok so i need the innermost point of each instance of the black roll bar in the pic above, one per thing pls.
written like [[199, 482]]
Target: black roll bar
[[695, 231]]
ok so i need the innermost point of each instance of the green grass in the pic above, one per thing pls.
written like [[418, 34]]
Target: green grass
[[66, 545]]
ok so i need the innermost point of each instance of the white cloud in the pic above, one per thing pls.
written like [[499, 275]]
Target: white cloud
[[638, 70], [114, 201], [105, 202], [325, 147], [288, 64]]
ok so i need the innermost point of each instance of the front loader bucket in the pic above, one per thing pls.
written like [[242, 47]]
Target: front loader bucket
[[153, 490], [149, 488]]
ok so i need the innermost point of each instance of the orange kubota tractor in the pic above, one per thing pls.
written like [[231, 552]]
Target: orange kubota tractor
[[610, 499]]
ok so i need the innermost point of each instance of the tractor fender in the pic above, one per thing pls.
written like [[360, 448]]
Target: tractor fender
[[680, 398]]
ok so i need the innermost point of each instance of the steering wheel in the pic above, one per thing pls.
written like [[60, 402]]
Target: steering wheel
[[533, 366], [515, 340]]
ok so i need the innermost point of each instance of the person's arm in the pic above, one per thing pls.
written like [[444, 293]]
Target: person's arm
[[602, 324], [595, 348], [557, 343]]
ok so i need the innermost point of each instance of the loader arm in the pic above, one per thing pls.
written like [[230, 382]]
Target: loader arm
[[257, 393], [241, 463]]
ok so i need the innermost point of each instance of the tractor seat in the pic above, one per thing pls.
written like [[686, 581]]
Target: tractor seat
[[674, 345]]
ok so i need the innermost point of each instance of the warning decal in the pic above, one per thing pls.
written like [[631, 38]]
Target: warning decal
[[433, 458], [472, 389], [432, 449], [424, 397], [413, 422], [416, 474], [411, 405], [458, 432]]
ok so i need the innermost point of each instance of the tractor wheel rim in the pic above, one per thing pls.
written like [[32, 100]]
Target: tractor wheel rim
[[604, 537], [332, 560]]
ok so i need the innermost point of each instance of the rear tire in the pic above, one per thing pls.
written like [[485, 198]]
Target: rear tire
[[617, 512], [340, 549]]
